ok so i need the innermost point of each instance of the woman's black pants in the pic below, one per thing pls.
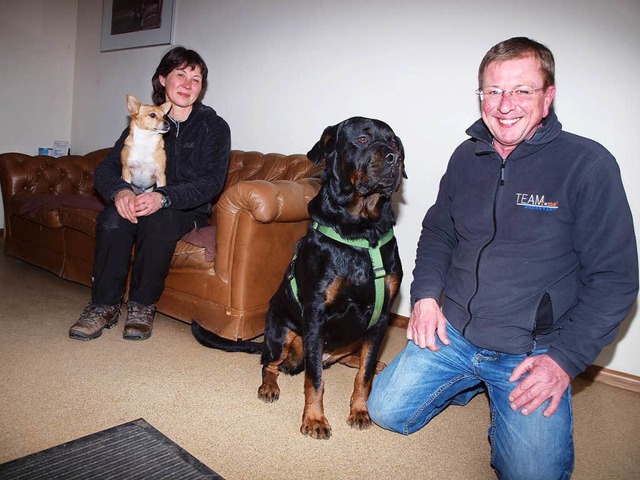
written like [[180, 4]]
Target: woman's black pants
[[152, 242]]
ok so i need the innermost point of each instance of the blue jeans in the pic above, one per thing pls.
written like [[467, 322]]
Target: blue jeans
[[418, 384]]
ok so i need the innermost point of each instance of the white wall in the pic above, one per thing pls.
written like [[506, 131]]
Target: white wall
[[37, 54], [282, 70]]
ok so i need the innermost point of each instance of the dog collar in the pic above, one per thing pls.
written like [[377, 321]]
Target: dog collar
[[376, 262]]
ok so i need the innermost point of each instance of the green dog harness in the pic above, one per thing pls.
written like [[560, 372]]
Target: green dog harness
[[376, 262]]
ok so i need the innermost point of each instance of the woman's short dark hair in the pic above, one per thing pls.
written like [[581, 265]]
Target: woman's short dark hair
[[518, 47], [177, 57]]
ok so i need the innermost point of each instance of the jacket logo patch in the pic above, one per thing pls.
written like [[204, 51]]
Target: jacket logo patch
[[533, 201], [188, 144]]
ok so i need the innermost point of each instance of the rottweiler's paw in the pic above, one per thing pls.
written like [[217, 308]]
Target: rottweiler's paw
[[316, 428], [359, 420], [269, 393], [380, 366]]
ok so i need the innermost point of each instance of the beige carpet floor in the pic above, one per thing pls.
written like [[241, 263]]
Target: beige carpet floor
[[54, 390]]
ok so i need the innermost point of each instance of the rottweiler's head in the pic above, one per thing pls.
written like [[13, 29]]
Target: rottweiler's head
[[363, 157]]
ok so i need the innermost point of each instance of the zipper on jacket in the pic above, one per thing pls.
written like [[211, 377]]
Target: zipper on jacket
[[176, 148], [177, 124], [500, 183]]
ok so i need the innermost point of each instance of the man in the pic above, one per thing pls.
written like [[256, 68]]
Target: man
[[530, 249]]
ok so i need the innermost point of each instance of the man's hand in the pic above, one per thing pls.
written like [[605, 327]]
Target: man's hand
[[546, 380], [131, 206], [425, 321]]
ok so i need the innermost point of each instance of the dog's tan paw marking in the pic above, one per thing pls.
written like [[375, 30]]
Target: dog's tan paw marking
[[268, 393], [316, 428], [359, 420]]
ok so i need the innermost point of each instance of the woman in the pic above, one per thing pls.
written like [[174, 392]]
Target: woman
[[197, 147]]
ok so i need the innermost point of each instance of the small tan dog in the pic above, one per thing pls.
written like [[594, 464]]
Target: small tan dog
[[143, 157]]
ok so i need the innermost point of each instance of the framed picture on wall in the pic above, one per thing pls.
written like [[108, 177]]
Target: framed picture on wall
[[136, 23]]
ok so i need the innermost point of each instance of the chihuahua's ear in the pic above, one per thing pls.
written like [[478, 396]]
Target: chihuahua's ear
[[166, 107], [133, 105]]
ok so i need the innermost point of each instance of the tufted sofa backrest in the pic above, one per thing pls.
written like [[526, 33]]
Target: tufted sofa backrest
[[73, 174], [267, 166], [69, 175]]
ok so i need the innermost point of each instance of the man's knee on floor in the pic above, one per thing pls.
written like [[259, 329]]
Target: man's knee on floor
[[545, 468], [533, 453], [384, 414]]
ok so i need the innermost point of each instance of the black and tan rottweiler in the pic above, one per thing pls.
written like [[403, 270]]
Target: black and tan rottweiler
[[339, 287]]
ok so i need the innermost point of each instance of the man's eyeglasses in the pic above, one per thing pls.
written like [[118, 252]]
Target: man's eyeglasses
[[494, 94]]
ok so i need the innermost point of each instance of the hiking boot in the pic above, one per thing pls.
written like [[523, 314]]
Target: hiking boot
[[93, 320], [139, 321]]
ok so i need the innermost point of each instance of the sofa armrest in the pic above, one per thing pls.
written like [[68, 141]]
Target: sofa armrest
[[19, 172], [279, 200], [245, 204]]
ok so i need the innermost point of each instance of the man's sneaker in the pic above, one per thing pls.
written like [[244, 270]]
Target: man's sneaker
[[139, 321], [94, 319]]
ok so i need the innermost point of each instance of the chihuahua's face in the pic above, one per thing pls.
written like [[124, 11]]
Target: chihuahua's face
[[148, 117]]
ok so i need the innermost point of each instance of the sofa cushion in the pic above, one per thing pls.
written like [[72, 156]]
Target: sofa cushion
[[203, 237], [22, 203], [196, 249], [45, 201], [81, 219], [46, 209]]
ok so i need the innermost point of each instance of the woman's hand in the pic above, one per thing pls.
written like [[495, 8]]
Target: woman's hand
[[131, 206], [148, 203], [125, 201]]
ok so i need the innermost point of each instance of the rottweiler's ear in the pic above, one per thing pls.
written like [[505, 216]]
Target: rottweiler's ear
[[401, 148], [324, 147]]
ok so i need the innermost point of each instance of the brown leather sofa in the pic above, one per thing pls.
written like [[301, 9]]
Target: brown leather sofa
[[221, 276]]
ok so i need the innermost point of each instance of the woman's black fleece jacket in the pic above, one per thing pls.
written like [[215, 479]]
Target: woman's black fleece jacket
[[198, 151]]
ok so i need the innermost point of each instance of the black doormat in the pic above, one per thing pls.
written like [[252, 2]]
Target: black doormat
[[133, 450]]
